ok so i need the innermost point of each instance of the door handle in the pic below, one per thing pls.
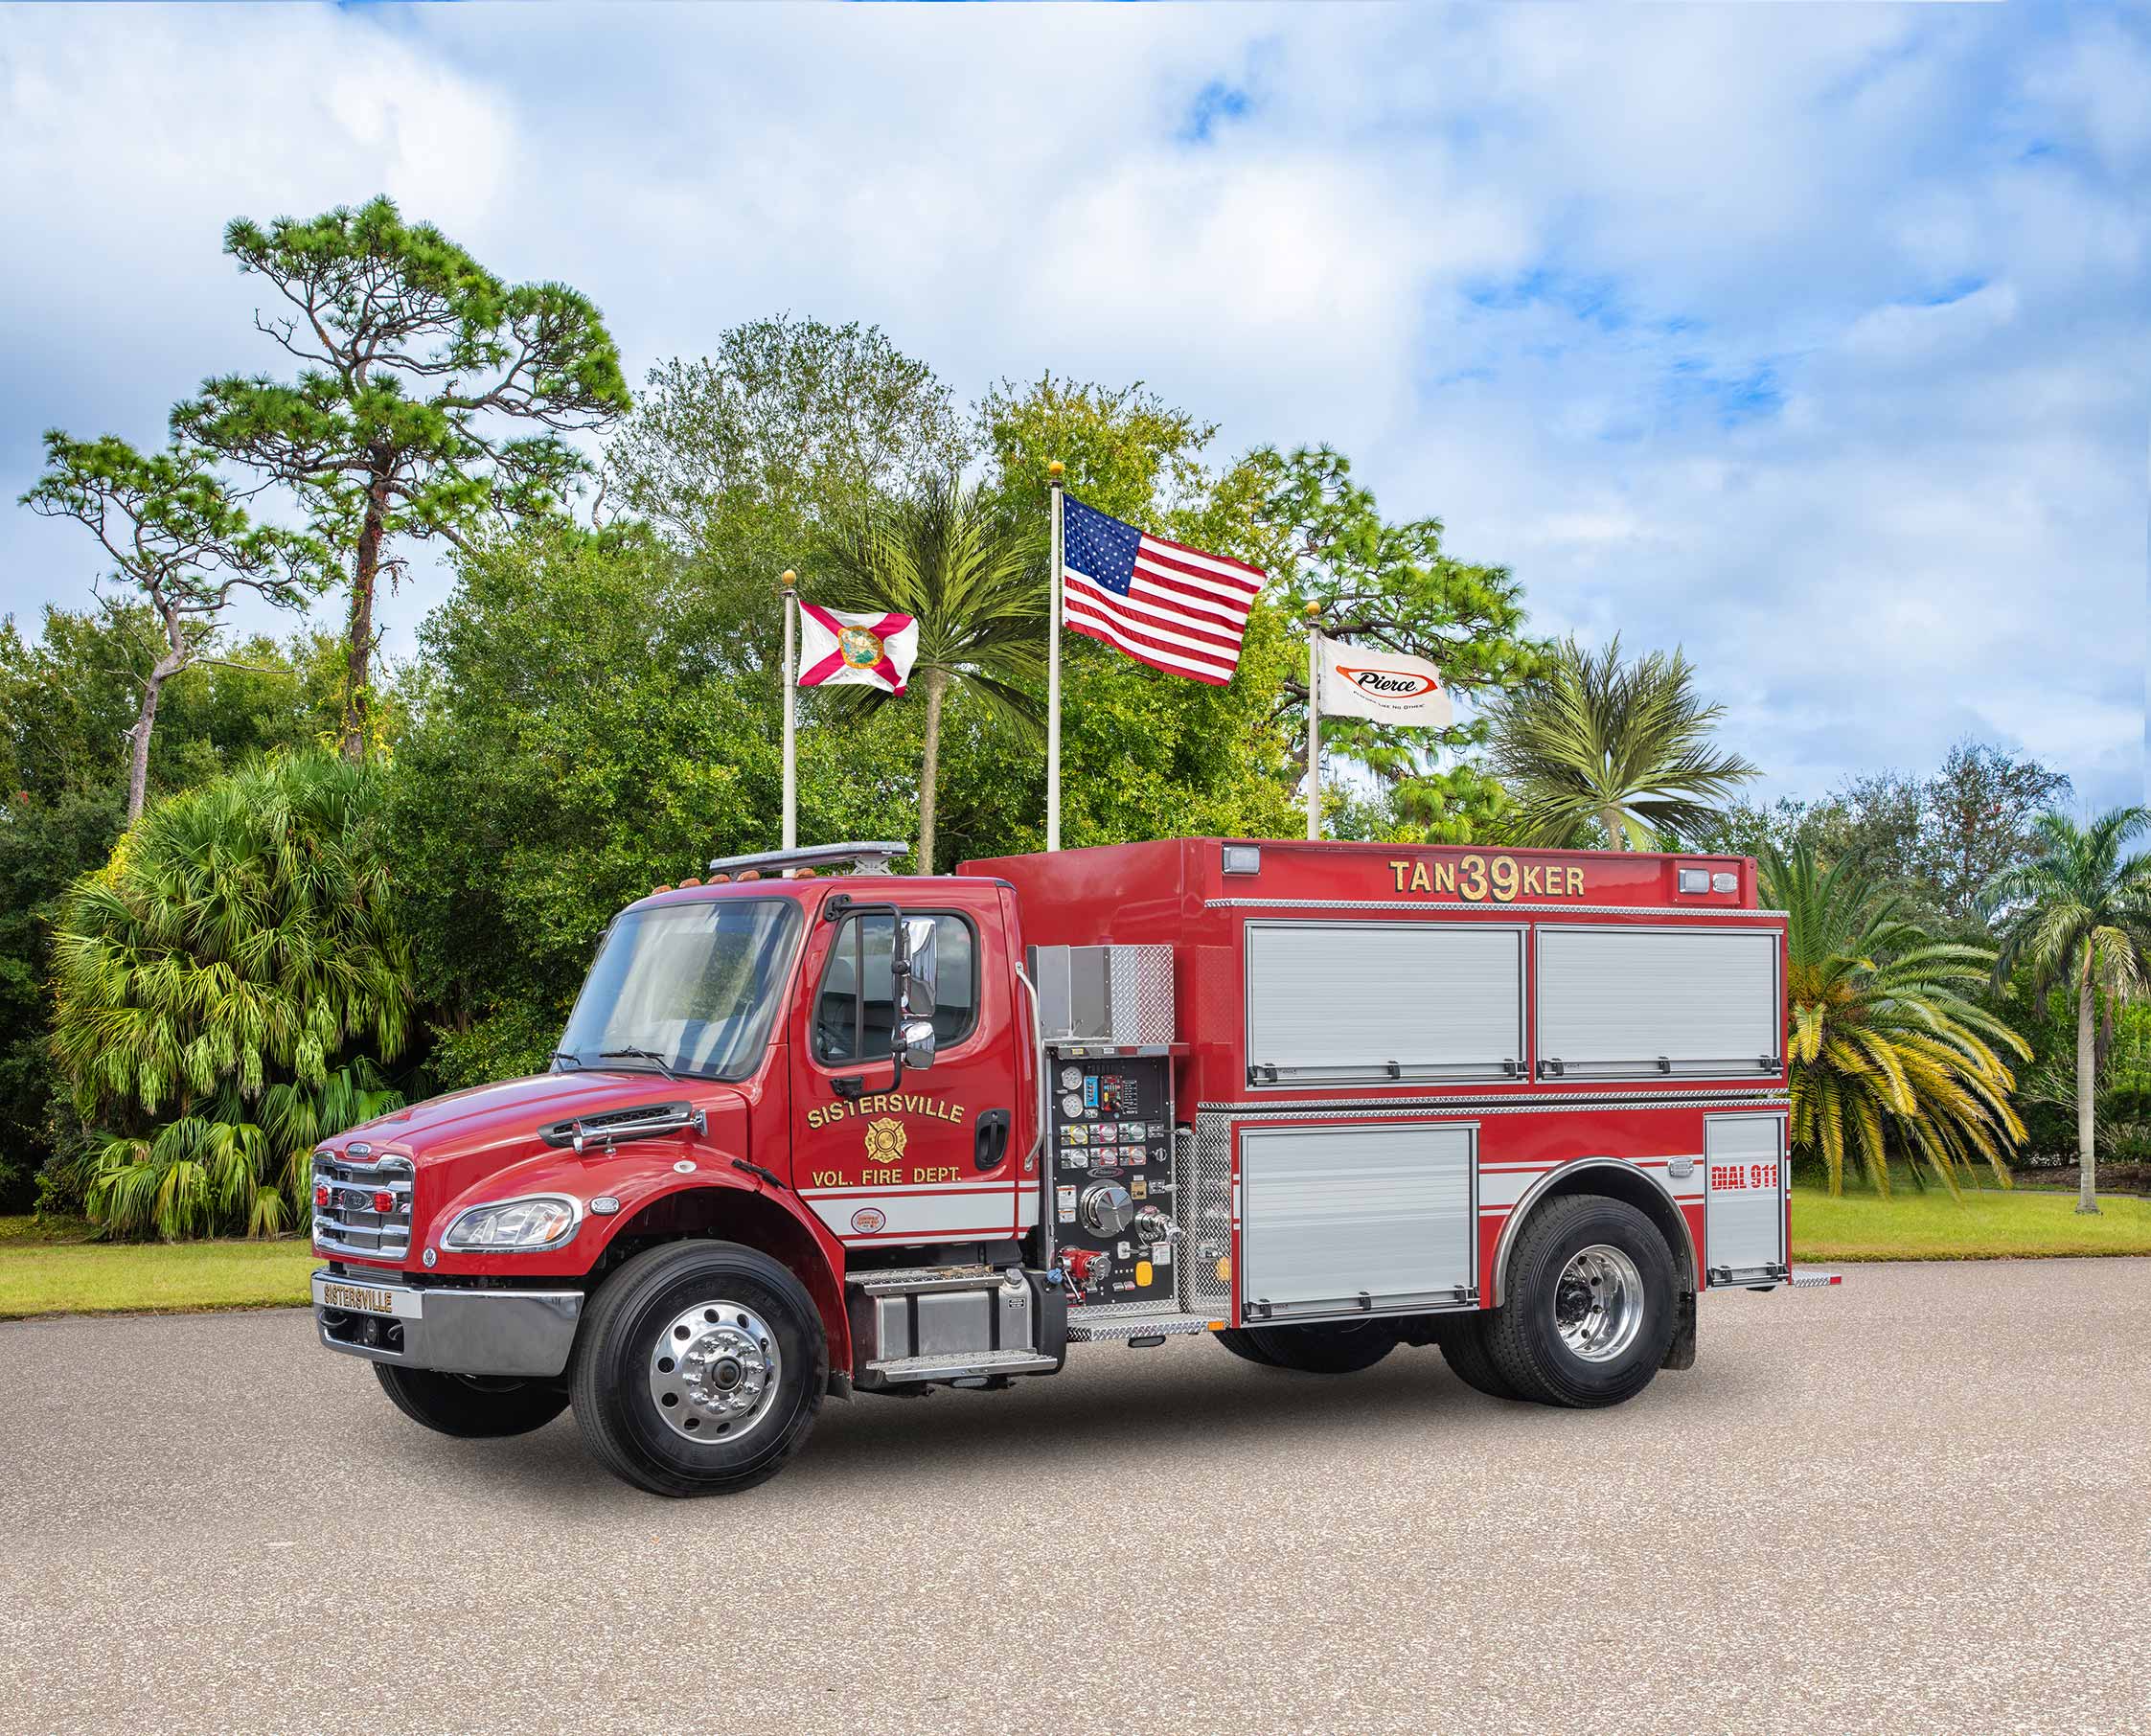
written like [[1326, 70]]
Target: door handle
[[991, 1143]]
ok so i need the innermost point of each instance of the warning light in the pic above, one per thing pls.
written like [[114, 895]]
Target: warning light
[[383, 1201], [321, 1196]]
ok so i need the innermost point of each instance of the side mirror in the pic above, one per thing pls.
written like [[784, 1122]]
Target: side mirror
[[915, 967], [918, 1044]]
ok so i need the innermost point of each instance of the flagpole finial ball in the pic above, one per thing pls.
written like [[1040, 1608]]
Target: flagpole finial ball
[[789, 578], [1313, 610], [1054, 468]]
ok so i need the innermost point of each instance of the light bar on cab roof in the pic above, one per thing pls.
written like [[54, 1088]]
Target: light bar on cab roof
[[860, 858]]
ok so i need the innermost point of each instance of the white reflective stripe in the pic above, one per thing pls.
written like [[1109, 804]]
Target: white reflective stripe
[[928, 1188], [916, 1217]]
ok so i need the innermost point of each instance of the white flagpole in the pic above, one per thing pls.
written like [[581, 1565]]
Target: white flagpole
[[1053, 677], [790, 582], [1314, 724]]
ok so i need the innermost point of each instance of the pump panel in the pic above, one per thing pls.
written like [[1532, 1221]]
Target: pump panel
[[1113, 1178]]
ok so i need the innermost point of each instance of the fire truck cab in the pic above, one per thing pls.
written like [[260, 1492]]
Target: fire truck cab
[[818, 1129]]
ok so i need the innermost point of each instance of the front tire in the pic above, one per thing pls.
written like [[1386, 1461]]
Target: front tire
[[469, 1407], [699, 1370], [1589, 1313]]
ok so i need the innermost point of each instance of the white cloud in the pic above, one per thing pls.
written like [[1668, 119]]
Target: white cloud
[[1813, 340]]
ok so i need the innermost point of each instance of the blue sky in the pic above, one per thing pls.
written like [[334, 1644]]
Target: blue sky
[[1813, 340]]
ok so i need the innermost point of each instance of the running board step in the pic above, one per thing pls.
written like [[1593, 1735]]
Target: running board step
[[923, 1280], [963, 1364], [1135, 1325]]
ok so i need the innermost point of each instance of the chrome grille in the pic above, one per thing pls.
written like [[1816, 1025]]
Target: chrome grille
[[348, 1220]]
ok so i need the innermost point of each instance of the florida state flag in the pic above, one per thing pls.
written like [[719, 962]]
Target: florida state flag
[[836, 648]]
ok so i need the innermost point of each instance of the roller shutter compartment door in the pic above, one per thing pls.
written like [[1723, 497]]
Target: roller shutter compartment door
[[1332, 1213], [1744, 1211], [1640, 1003], [1358, 1002]]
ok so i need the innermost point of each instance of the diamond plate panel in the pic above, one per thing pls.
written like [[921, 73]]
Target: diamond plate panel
[[1142, 993], [1204, 1193]]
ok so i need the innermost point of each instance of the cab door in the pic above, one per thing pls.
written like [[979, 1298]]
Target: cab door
[[928, 1155]]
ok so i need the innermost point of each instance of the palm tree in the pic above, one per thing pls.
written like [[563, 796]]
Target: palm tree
[[222, 990], [2079, 915], [1626, 749], [979, 593], [1884, 1042]]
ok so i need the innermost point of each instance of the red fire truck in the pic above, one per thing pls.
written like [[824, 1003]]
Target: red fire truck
[[815, 1129]]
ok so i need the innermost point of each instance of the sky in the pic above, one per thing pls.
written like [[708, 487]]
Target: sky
[[1814, 341]]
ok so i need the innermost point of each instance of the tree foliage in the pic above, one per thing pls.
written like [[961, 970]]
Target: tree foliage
[[417, 366], [1936, 841], [978, 589], [579, 735], [223, 990], [180, 544], [1886, 1046], [1391, 585], [1622, 748], [2078, 916]]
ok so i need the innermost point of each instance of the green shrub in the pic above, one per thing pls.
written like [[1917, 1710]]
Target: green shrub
[[227, 987]]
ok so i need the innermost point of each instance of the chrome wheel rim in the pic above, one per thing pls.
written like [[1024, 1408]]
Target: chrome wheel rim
[[714, 1372], [1598, 1303]]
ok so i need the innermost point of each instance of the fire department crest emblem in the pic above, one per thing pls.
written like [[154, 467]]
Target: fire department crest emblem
[[860, 647], [885, 1139]]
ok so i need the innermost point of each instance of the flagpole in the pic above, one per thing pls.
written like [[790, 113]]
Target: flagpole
[[1053, 675], [790, 582], [1314, 724]]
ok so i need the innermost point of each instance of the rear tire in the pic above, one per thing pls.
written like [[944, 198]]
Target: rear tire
[[1345, 1348], [455, 1404], [1463, 1347], [1589, 1313], [699, 1370], [1243, 1345]]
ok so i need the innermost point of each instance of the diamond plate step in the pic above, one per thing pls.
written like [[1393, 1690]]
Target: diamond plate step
[[1125, 1326], [962, 1364], [918, 1280]]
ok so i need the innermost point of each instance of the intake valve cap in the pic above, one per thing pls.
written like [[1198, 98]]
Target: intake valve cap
[[1107, 1208]]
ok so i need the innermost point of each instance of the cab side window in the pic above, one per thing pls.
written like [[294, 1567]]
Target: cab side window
[[854, 1008]]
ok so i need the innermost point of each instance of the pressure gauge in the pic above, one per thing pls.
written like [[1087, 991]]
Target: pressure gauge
[[1071, 1106], [1072, 1078]]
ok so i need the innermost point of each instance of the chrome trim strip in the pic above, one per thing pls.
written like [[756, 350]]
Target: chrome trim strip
[[1488, 904], [1762, 1097]]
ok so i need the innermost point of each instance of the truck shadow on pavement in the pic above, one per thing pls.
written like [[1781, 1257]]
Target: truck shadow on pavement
[[1064, 1427]]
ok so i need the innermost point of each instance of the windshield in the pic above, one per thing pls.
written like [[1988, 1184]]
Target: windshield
[[695, 985]]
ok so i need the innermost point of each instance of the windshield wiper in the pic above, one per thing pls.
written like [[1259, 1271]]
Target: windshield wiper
[[663, 1065], [565, 1055]]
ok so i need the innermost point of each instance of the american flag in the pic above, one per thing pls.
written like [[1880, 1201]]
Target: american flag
[[1164, 603]]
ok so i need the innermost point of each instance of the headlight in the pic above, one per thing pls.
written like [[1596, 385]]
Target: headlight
[[516, 1225]]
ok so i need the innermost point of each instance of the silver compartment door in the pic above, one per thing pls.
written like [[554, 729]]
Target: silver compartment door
[[1330, 1215], [1641, 1003], [1364, 1003], [1743, 1210]]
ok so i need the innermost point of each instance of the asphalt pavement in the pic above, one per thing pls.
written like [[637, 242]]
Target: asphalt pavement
[[1919, 1503]]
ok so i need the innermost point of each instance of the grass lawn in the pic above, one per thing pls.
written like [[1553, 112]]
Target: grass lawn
[[47, 1269], [49, 1272], [1986, 1224]]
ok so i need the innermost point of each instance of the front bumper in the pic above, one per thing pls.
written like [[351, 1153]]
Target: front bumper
[[479, 1332]]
